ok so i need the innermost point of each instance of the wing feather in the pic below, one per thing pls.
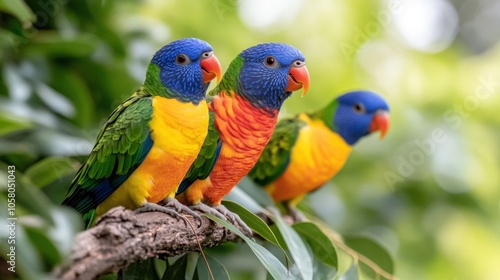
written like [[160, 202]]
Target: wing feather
[[121, 146], [276, 156]]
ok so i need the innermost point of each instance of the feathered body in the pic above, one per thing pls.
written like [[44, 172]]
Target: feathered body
[[176, 145], [150, 141], [321, 153], [244, 131], [245, 110], [308, 150]]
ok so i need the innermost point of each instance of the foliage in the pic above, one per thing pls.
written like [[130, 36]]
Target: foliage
[[422, 204]]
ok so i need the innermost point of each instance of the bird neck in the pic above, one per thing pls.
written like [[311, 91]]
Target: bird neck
[[327, 115], [236, 117], [230, 80], [155, 87]]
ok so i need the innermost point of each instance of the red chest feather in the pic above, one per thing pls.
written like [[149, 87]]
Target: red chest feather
[[245, 130]]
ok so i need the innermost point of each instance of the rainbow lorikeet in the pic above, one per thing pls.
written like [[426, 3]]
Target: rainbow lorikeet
[[244, 111], [149, 142], [308, 150]]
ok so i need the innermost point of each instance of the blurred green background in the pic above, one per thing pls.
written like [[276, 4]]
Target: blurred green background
[[429, 191]]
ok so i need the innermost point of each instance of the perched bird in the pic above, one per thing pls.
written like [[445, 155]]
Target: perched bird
[[244, 111], [308, 150], [149, 142]]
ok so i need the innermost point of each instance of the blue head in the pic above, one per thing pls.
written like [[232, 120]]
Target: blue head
[[183, 70], [359, 113], [270, 73]]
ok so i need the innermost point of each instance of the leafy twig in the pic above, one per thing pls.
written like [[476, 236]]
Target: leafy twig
[[337, 240]]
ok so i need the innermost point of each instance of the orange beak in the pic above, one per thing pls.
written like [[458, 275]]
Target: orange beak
[[210, 68], [380, 122], [298, 77]]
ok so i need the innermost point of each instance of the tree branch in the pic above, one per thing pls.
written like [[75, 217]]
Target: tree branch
[[120, 238]]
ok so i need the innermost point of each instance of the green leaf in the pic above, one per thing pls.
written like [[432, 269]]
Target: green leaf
[[32, 198], [322, 270], [144, 270], [112, 276], [9, 124], [279, 236], [256, 192], [362, 274], [74, 88], [52, 44], [50, 170], [177, 270], [322, 247], [351, 273], [44, 245], [241, 197], [191, 265], [268, 260], [68, 224], [256, 224], [18, 9], [344, 260], [160, 266], [28, 258], [54, 100], [296, 247], [372, 250], [218, 270], [253, 221]]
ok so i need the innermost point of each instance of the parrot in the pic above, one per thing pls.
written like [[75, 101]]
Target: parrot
[[244, 110], [149, 141], [307, 150]]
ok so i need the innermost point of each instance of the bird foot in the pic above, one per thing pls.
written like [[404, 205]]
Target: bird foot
[[296, 215], [202, 207], [170, 209], [234, 218], [153, 207], [179, 207]]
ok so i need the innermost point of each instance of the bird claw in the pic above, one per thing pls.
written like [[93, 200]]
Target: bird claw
[[172, 208], [202, 207], [179, 207], [295, 214], [152, 207], [234, 218]]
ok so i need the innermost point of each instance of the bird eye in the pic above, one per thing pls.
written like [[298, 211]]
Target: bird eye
[[298, 63], [182, 59], [271, 62], [359, 108], [206, 55]]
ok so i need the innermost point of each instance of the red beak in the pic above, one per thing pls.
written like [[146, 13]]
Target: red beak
[[210, 68], [380, 122], [298, 77]]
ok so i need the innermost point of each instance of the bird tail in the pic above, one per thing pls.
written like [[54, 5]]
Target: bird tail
[[88, 218]]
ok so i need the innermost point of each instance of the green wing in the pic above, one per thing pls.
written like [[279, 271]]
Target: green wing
[[121, 146], [276, 156], [206, 159]]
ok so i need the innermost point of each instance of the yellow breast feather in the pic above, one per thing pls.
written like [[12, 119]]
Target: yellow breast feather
[[317, 156], [178, 130]]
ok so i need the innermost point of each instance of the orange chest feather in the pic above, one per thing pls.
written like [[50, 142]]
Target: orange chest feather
[[316, 157], [244, 130], [178, 130]]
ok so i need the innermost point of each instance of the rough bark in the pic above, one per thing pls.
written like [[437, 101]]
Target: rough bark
[[121, 237]]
